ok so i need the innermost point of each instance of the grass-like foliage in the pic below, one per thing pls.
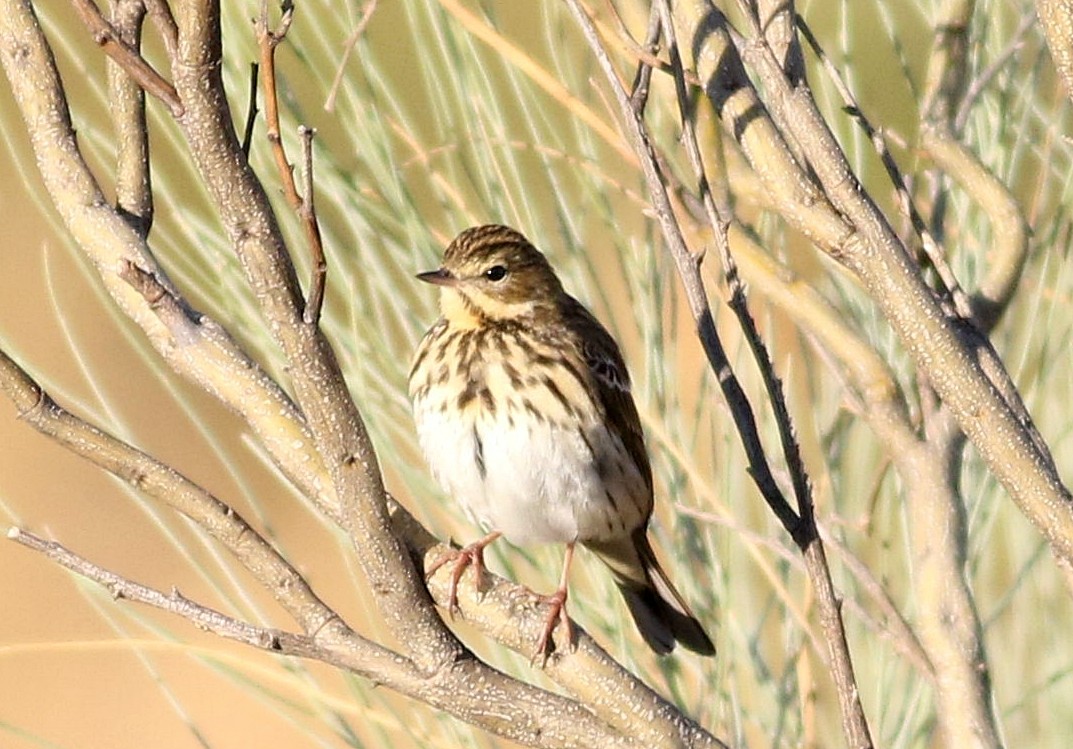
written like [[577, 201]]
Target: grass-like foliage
[[435, 115]]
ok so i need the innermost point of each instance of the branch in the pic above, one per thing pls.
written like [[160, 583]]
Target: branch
[[191, 343], [176, 603], [508, 612], [127, 57], [339, 433], [134, 186], [168, 486], [802, 527], [512, 615], [528, 716], [984, 401], [267, 41]]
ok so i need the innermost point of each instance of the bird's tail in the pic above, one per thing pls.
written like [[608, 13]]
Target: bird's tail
[[661, 615]]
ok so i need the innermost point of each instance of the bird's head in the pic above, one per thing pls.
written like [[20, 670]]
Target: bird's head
[[493, 272]]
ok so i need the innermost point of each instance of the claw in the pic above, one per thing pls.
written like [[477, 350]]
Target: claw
[[556, 613], [473, 554]]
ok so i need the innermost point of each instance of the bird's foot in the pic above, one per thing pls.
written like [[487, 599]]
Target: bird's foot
[[473, 554], [556, 613]]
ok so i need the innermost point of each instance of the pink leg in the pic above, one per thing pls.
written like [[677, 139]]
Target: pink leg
[[557, 611], [463, 558]]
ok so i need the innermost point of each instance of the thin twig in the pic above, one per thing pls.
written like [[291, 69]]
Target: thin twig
[[516, 721], [981, 81], [308, 213], [268, 40], [644, 53], [642, 79], [932, 249], [720, 224], [167, 486], [348, 48], [176, 603], [111, 41], [251, 111], [689, 272]]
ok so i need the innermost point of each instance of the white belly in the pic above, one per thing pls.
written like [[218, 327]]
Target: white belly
[[534, 481]]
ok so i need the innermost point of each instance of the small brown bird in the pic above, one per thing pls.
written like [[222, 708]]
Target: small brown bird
[[524, 412]]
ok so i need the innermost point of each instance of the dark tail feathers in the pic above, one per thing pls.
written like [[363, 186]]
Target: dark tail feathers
[[661, 615]]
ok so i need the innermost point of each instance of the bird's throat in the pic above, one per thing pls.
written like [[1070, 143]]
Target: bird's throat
[[459, 311], [472, 310]]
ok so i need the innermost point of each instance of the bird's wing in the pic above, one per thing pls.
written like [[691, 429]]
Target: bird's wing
[[605, 362]]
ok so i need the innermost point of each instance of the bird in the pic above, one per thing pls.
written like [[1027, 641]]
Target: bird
[[523, 409]]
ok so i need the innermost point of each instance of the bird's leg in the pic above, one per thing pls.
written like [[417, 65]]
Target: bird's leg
[[556, 611], [473, 554]]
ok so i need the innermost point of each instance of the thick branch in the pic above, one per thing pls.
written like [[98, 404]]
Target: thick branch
[[194, 345], [338, 430], [986, 405], [529, 716], [513, 616], [1056, 18]]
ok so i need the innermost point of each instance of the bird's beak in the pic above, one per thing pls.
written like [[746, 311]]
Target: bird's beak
[[440, 277]]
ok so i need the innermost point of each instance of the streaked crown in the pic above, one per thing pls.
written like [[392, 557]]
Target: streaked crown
[[493, 272]]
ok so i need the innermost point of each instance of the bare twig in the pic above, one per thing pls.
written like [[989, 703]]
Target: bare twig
[[134, 186], [931, 247], [175, 603], [251, 111], [268, 40], [540, 719], [111, 41], [308, 213], [803, 529], [167, 486], [348, 48]]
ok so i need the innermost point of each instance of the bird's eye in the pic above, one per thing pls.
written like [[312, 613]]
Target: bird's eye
[[496, 273]]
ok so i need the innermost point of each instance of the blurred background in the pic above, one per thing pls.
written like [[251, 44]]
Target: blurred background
[[447, 114]]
